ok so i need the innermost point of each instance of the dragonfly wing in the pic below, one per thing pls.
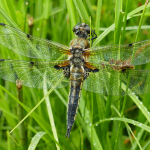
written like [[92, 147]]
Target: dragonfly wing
[[32, 74], [111, 81], [31, 46], [123, 52]]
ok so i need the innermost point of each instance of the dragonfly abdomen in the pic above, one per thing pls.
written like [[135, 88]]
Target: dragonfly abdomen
[[73, 104], [76, 77]]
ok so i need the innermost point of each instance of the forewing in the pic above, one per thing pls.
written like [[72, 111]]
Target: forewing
[[140, 51], [31, 46], [109, 81], [32, 74]]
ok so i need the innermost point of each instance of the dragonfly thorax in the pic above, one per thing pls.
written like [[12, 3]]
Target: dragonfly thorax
[[76, 52], [77, 62], [79, 43], [76, 58]]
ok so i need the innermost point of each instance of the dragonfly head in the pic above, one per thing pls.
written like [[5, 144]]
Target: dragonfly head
[[82, 30]]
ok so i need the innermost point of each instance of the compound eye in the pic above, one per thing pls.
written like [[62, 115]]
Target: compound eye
[[76, 28], [87, 29], [77, 32]]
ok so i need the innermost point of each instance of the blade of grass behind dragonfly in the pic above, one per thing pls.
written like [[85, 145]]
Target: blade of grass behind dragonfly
[[126, 91], [95, 142], [71, 12], [128, 129], [81, 10], [117, 37], [118, 8], [129, 121], [114, 81], [88, 119], [112, 27], [90, 32], [98, 16], [10, 117], [47, 5], [139, 137], [142, 126], [42, 123], [8, 5], [124, 24], [106, 76], [50, 114], [117, 84], [137, 102], [35, 140], [89, 8], [7, 18], [87, 123], [91, 124], [40, 120], [118, 28], [141, 19]]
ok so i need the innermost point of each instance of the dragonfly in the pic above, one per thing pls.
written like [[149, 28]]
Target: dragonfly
[[108, 69]]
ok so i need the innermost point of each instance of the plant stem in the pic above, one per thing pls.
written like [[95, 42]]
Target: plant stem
[[22, 130]]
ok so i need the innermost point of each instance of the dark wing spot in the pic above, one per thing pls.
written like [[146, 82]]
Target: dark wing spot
[[16, 76], [66, 71], [28, 35], [123, 70], [57, 67], [91, 70], [130, 44], [31, 62], [2, 24], [11, 66], [96, 70], [2, 59]]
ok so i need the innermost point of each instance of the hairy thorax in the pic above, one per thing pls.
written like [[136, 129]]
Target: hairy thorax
[[77, 48]]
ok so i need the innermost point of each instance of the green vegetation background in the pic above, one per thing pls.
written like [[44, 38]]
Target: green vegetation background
[[54, 20]]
